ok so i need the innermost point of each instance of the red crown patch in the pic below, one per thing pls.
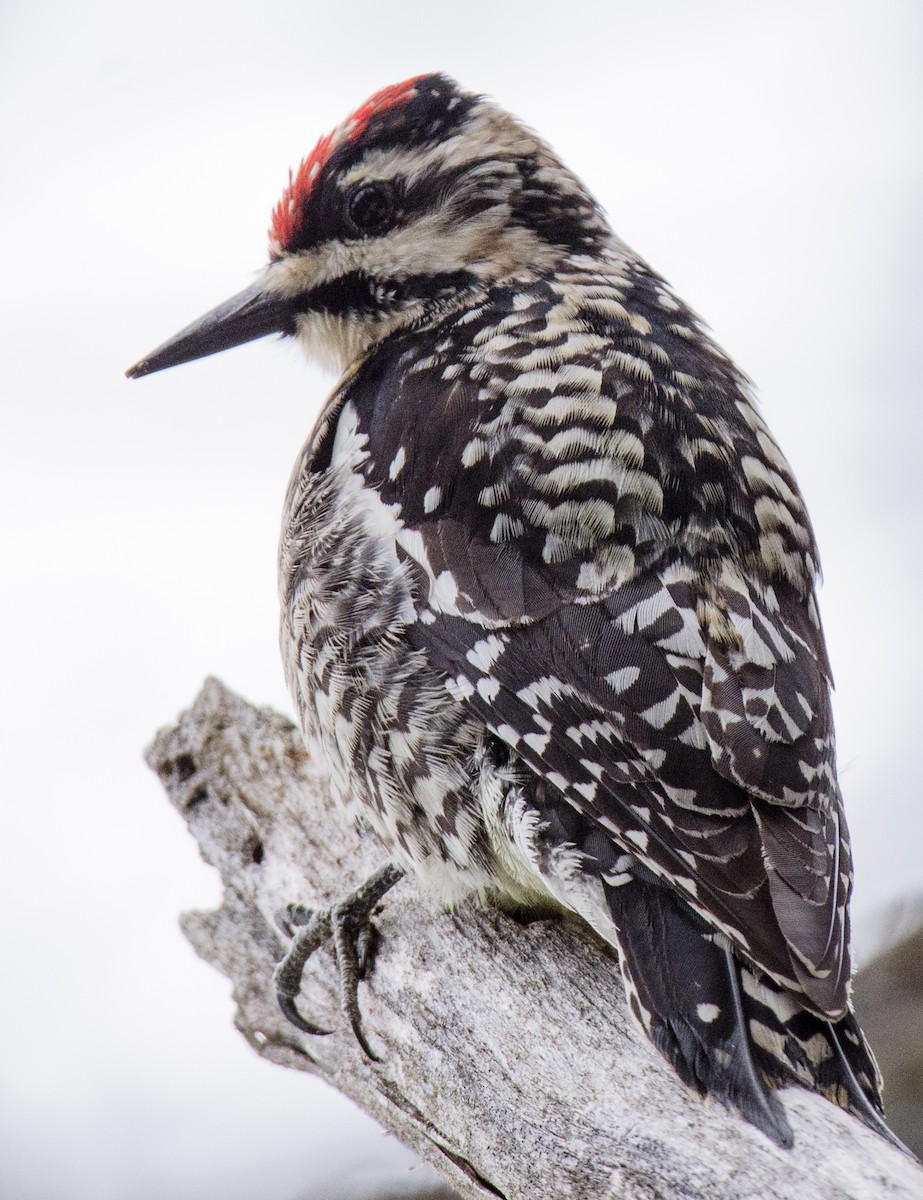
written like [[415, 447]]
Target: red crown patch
[[288, 213]]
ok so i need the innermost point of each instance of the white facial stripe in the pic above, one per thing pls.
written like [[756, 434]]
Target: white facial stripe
[[483, 137], [488, 246], [436, 242], [433, 244]]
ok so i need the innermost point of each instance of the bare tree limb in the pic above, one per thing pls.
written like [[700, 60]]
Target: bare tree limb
[[508, 1061]]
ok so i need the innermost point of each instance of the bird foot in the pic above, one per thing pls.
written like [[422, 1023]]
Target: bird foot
[[347, 924]]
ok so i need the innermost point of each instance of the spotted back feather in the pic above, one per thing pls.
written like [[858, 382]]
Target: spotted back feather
[[677, 692]]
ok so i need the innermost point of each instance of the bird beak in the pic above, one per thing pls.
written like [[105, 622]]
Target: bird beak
[[252, 313]]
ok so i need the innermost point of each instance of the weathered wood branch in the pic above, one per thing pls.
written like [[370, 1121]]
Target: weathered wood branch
[[507, 1059]]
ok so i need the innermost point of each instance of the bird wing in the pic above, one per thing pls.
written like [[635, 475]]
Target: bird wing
[[684, 711], [612, 703]]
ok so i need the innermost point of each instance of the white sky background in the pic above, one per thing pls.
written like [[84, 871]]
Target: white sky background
[[766, 158]]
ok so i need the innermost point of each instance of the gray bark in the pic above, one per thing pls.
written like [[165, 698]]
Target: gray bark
[[507, 1058]]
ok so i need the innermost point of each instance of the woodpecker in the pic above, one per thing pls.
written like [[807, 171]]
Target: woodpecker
[[548, 592]]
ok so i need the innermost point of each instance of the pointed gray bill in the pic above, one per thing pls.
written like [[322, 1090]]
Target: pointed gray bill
[[252, 313]]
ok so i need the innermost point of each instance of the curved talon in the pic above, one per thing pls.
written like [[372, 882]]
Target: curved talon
[[291, 1013], [348, 924], [346, 938], [359, 1032], [288, 972]]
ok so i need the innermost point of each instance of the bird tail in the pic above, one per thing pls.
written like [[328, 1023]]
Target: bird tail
[[727, 1030]]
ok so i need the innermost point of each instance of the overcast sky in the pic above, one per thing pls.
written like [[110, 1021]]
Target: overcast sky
[[766, 158]]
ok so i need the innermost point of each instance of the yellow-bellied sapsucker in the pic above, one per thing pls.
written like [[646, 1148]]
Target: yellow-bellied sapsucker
[[547, 583]]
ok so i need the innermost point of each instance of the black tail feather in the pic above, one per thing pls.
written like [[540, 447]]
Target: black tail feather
[[758, 1103], [728, 1030], [845, 1043], [684, 989]]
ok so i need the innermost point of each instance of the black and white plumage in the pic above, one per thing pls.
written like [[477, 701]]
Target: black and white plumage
[[547, 588]]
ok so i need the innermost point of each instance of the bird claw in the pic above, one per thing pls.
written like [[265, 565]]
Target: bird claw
[[347, 923], [290, 1012]]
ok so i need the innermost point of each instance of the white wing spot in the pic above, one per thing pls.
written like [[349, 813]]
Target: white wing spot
[[397, 464], [537, 741], [623, 678], [484, 654], [460, 688], [444, 594]]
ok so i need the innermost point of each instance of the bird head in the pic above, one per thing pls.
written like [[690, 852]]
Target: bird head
[[424, 197]]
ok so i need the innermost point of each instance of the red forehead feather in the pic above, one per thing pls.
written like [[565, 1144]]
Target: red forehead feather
[[287, 215]]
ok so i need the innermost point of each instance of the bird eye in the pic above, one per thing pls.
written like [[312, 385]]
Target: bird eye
[[370, 207]]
